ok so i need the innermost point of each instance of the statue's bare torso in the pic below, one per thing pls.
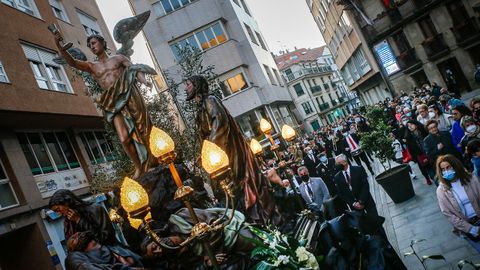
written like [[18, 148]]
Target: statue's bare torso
[[106, 72]]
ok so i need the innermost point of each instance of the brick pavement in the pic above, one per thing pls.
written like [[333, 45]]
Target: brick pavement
[[420, 218]]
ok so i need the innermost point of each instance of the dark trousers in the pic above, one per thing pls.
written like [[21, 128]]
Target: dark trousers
[[363, 156]]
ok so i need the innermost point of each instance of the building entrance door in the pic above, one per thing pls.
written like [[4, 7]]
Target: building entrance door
[[451, 68]]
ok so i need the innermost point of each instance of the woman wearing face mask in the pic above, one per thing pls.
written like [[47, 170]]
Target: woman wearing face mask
[[415, 134], [457, 131], [473, 148], [475, 106], [459, 198], [444, 120], [471, 129]]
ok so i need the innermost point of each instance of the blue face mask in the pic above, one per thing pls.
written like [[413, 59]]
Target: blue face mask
[[448, 175], [323, 159], [476, 161]]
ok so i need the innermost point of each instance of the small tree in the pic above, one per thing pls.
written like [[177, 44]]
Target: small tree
[[378, 139]]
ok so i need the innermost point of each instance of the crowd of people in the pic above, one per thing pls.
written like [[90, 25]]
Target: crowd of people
[[432, 128]]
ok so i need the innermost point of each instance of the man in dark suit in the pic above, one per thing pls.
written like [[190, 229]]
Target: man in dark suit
[[352, 143], [310, 161], [326, 170], [312, 189], [352, 187]]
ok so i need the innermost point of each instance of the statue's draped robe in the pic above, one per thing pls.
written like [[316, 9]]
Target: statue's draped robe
[[217, 125], [102, 258], [124, 97]]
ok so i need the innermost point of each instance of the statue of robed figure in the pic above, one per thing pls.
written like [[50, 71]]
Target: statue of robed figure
[[118, 83], [215, 124]]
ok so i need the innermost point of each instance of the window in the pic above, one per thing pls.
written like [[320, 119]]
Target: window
[[3, 74], [244, 5], [89, 23], [27, 6], [48, 152], [277, 76], [98, 147], [427, 27], [346, 76], [7, 195], [401, 42], [163, 7], [58, 10], [203, 39], [298, 89], [307, 108], [49, 75], [235, 84], [250, 34], [457, 12], [260, 39], [361, 61], [269, 74]]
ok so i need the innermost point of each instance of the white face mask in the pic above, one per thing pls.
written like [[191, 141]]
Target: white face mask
[[431, 114], [472, 129]]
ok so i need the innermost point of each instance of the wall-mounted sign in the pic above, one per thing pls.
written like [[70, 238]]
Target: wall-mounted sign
[[387, 59]]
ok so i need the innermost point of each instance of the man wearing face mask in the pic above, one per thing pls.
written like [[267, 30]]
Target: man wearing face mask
[[312, 189], [310, 161], [326, 170], [352, 187]]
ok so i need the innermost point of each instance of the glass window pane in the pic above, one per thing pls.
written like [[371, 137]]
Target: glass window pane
[[55, 151], [3, 78], [40, 152], [217, 29], [7, 198], [233, 84], [95, 147], [42, 84], [240, 81], [193, 42], [28, 154], [184, 2], [3, 175], [158, 9], [210, 36], [103, 144], [67, 150], [166, 6], [175, 51], [60, 87], [175, 4], [89, 153], [203, 41]]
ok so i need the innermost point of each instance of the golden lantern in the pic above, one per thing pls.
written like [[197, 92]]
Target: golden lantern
[[161, 143], [133, 196], [256, 147], [288, 133], [135, 222], [265, 126], [214, 158]]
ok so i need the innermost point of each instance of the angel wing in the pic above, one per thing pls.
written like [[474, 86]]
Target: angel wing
[[127, 29]]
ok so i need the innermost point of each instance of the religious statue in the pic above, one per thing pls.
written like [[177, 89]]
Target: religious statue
[[217, 125], [119, 96]]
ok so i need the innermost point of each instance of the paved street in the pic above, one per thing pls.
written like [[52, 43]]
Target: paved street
[[420, 218]]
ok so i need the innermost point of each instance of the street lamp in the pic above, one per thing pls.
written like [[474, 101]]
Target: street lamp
[[288, 133], [256, 147], [134, 198], [266, 128]]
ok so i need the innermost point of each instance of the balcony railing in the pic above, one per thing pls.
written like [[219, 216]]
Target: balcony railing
[[421, 3], [435, 47], [408, 60], [466, 32], [324, 106], [307, 71], [315, 89]]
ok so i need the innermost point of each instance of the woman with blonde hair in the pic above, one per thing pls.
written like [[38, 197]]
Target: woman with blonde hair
[[459, 198]]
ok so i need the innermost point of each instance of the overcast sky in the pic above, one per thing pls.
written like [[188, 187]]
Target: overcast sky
[[284, 24]]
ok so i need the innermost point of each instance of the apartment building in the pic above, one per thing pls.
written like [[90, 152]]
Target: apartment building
[[421, 41], [230, 40], [348, 47], [318, 90], [51, 133]]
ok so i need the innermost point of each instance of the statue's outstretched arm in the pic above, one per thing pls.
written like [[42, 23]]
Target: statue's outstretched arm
[[78, 64]]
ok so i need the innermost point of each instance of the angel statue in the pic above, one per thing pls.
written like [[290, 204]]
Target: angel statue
[[119, 84]]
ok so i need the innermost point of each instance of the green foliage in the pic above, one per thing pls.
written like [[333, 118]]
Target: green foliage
[[378, 139], [277, 251]]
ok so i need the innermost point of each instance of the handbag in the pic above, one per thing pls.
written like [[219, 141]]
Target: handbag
[[475, 221], [423, 160], [406, 157]]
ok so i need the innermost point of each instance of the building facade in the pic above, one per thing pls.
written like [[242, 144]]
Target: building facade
[[230, 40], [350, 51], [51, 134], [318, 90], [418, 42]]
